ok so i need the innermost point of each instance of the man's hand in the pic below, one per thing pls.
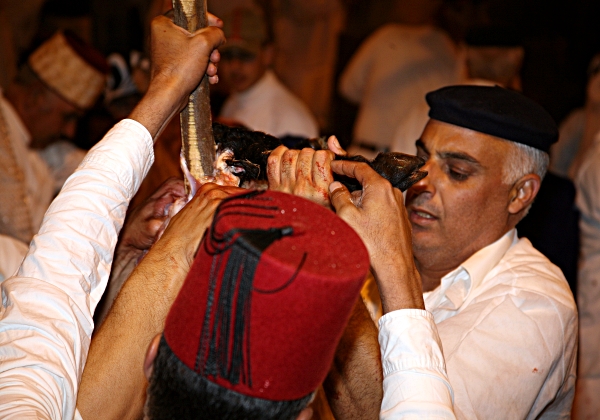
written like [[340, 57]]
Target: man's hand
[[378, 215], [306, 173], [179, 62], [144, 222], [180, 58], [185, 231]]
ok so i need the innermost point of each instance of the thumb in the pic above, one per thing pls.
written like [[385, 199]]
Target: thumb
[[334, 145], [340, 197]]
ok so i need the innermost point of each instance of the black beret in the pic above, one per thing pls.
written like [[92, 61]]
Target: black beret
[[495, 111]]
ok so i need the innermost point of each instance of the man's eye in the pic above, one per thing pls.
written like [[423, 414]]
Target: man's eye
[[458, 176]]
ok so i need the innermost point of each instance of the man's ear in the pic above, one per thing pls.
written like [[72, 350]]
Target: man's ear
[[523, 193], [150, 356], [305, 414]]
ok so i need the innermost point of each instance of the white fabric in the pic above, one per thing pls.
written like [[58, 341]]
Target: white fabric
[[570, 135], [389, 76], [270, 107], [508, 325], [12, 252], [415, 383], [588, 284], [46, 316], [38, 179]]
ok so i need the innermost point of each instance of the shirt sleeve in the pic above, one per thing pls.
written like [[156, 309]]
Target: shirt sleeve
[[46, 315], [415, 383]]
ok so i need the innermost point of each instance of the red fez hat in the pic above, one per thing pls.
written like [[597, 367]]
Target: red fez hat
[[268, 296]]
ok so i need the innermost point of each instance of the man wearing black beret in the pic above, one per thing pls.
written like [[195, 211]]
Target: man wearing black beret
[[504, 313]]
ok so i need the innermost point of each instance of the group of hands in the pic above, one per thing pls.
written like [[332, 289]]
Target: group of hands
[[376, 212]]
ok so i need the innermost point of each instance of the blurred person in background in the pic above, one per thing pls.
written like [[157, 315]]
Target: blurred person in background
[[390, 74], [258, 100], [578, 130], [61, 80]]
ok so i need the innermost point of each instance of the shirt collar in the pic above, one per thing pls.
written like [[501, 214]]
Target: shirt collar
[[456, 285]]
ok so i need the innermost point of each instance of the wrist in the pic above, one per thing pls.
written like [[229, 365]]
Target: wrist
[[160, 103], [400, 286]]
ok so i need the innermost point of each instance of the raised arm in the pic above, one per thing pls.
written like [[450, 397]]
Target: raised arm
[[46, 318], [113, 384], [415, 383]]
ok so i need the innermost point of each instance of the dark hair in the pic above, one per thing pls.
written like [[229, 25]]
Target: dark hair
[[177, 392]]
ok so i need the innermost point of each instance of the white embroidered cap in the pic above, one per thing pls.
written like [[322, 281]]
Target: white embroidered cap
[[71, 68]]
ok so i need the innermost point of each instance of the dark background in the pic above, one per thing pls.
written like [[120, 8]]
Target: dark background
[[559, 37]]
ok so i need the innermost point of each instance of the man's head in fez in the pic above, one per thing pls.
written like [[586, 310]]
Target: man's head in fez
[[249, 51], [486, 152], [61, 79], [253, 331]]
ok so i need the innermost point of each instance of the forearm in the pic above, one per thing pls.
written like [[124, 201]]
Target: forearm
[[354, 384], [116, 357], [125, 261], [158, 106], [399, 282]]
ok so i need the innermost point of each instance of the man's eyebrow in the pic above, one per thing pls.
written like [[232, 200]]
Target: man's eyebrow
[[449, 155], [459, 156]]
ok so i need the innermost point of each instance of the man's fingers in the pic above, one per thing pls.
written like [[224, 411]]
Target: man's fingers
[[215, 56], [334, 145], [214, 21], [304, 165], [288, 169], [362, 172], [321, 166], [341, 199], [213, 36], [274, 166]]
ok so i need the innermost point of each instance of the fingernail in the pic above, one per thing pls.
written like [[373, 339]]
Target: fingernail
[[335, 185]]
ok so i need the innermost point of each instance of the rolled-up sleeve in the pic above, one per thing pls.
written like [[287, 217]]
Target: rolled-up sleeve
[[415, 383], [47, 307]]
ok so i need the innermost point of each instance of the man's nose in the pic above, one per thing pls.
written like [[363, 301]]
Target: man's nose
[[424, 184]]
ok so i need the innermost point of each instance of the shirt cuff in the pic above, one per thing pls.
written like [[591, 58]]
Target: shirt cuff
[[415, 383], [409, 340]]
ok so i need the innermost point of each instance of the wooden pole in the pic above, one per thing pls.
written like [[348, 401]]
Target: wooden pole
[[198, 144]]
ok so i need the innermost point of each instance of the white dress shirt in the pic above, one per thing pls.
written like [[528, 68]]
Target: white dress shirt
[[270, 107], [508, 325], [46, 315], [588, 284]]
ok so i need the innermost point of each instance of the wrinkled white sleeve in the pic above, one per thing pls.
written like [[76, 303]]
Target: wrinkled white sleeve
[[46, 315], [415, 383]]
